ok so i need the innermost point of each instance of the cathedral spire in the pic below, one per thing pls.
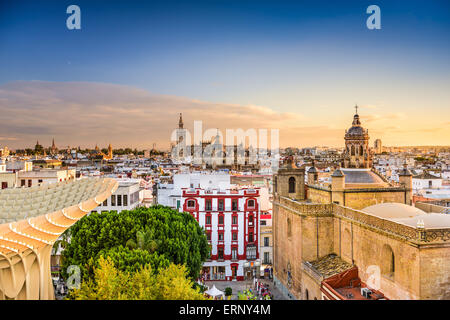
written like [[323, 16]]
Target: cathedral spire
[[180, 122]]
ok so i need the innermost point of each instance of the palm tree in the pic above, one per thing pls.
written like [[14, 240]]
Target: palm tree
[[144, 241]]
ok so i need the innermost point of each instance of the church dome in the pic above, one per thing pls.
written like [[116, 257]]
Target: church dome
[[356, 131], [393, 211]]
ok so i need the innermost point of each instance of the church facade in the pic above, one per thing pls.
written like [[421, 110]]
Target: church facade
[[357, 237]]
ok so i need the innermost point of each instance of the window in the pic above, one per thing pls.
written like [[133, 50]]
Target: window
[[234, 219], [234, 253], [4, 185], [220, 219], [208, 205], [263, 222], [266, 241], [234, 204], [266, 258], [113, 200], [251, 252], [191, 204], [234, 236], [40, 181], [208, 236], [208, 219], [250, 218], [251, 203], [125, 200], [30, 182], [119, 200], [306, 294], [105, 203], [291, 185], [221, 206], [220, 236], [22, 183], [220, 253], [250, 237]]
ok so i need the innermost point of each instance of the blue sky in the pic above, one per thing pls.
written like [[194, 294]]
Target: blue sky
[[313, 58]]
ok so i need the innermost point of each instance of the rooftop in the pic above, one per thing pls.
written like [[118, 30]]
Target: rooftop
[[329, 265], [409, 215], [362, 176]]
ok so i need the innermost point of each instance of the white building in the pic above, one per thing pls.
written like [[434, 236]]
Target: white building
[[230, 217], [27, 178], [126, 197], [426, 180]]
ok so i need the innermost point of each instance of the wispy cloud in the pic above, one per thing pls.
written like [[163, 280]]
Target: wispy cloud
[[85, 114], [89, 113]]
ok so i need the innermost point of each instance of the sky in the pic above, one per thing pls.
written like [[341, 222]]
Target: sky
[[296, 66]]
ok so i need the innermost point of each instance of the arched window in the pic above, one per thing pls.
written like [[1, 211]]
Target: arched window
[[353, 150], [306, 294], [291, 185], [388, 261], [251, 203], [361, 150], [191, 204]]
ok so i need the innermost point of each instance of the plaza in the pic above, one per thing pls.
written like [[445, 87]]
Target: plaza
[[240, 286]]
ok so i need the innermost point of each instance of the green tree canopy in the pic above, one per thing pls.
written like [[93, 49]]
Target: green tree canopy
[[160, 236], [111, 283]]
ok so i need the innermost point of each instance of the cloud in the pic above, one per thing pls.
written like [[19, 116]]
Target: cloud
[[383, 117], [84, 113]]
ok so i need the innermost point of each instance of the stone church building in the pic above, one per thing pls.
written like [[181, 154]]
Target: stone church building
[[357, 237]]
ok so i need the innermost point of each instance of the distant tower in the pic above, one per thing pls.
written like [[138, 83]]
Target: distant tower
[[110, 152], [378, 146], [53, 149], [405, 180], [357, 153], [181, 138]]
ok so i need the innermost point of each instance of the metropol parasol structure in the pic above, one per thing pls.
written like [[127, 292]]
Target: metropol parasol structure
[[31, 220]]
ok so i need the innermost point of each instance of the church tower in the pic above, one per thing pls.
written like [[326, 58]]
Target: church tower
[[110, 152], [289, 181], [357, 153], [53, 149], [181, 138]]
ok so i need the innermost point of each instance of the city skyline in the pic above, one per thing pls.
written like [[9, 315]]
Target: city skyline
[[298, 67]]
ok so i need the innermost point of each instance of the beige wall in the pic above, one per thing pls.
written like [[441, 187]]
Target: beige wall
[[421, 271], [9, 178], [435, 273]]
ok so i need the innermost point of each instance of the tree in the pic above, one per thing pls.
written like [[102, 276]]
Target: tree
[[145, 241], [111, 283], [228, 291], [178, 238]]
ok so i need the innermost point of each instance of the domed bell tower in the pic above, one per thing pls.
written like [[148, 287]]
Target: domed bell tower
[[357, 153]]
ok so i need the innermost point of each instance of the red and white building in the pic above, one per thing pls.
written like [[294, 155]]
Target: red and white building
[[230, 217]]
